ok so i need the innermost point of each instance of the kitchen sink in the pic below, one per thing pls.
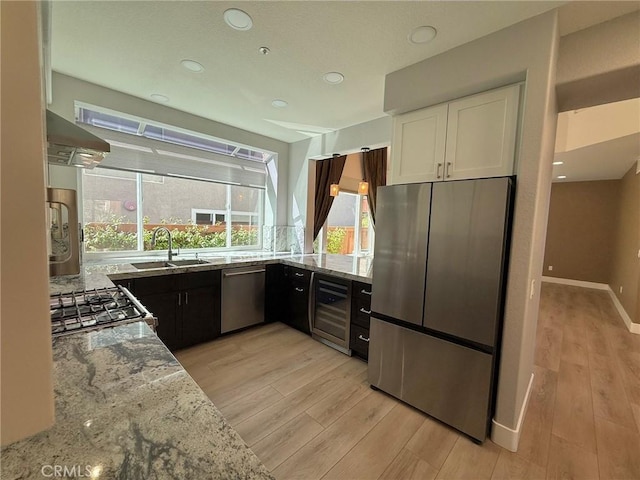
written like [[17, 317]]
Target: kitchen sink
[[171, 264], [183, 263]]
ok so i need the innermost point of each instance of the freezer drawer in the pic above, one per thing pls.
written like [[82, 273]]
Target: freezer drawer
[[448, 381]]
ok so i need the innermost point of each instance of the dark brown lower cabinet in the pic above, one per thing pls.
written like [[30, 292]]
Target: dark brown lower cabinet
[[187, 306], [360, 319], [297, 284], [275, 293]]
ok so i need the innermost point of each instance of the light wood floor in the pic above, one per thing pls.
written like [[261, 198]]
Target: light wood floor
[[307, 411]]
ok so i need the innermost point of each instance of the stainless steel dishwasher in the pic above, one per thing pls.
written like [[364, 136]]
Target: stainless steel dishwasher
[[242, 297]]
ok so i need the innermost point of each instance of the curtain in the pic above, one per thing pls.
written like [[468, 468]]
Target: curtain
[[327, 172], [374, 166]]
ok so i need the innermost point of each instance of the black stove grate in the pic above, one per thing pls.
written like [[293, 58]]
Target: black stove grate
[[90, 309]]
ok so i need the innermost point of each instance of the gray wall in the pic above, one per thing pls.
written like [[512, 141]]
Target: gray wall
[[67, 90], [581, 230], [525, 51], [600, 64]]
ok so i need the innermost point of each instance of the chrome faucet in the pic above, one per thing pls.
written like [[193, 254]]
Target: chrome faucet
[[153, 240]]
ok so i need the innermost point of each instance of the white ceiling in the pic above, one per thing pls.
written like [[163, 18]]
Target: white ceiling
[[136, 47]]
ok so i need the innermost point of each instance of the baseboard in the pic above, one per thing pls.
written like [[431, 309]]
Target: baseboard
[[507, 437], [576, 283], [632, 326]]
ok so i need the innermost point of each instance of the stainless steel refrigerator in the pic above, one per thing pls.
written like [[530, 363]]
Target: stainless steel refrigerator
[[439, 276]]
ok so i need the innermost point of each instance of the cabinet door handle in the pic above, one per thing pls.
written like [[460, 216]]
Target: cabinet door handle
[[368, 312], [448, 165], [179, 299], [360, 337], [439, 166], [299, 274], [186, 298], [365, 292], [299, 289]]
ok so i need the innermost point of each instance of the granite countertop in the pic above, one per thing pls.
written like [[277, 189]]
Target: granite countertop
[[125, 408], [99, 275]]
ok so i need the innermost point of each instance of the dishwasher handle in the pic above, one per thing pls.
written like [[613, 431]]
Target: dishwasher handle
[[248, 272]]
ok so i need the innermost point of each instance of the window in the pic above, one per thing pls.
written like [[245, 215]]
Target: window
[[208, 192], [348, 229], [109, 210], [90, 115], [115, 219]]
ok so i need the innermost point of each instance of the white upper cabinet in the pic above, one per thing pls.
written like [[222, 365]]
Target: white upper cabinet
[[481, 134], [479, 139], [418, 145]]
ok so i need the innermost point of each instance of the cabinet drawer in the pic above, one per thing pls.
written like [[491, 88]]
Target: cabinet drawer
[[359, 341], [362, 290], [297, 274], [361, 304]]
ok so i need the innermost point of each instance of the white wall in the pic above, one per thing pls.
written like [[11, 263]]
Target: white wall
[[372, 134], [67, 90], [26, 404], [525, 51]]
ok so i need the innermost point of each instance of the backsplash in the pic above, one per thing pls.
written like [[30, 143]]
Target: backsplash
[[283, 238]]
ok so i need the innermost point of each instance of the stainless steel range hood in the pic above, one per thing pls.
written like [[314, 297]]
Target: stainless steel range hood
[[69, 144]]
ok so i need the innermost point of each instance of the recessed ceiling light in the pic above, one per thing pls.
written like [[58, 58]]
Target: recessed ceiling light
[[192, 65], [558, 163], [333, 78], [279, 103], [159, 98], [423, 34], [561, 177], [264, 50], [237, 19]]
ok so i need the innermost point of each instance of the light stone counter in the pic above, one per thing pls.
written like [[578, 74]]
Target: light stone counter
[[125, 408], [345, 266], [100, 275]]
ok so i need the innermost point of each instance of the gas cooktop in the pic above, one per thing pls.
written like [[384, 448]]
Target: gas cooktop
[[94, 309]]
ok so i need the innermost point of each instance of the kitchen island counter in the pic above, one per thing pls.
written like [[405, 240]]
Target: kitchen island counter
[[125, 408]]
